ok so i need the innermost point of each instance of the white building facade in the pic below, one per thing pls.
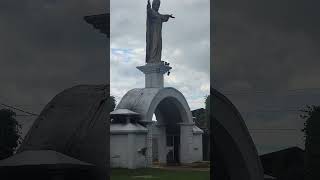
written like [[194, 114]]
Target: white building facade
[[136, 141]]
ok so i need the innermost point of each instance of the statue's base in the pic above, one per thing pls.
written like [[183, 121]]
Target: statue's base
[[154, 74]]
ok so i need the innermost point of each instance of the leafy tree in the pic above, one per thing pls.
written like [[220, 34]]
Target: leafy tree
[[112, 105], [207, 104], [200, 118], [203, 115], [311, 129], [112, 102], [9, 133], [206, 135]]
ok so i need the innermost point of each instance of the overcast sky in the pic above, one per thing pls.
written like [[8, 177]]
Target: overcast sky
[[266, 58], [47, 47], [266, 61], [186, 46]]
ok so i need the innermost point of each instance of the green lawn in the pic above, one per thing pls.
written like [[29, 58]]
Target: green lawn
[[158, 174]]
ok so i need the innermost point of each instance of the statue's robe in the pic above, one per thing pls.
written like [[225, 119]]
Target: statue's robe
[[153, 36]]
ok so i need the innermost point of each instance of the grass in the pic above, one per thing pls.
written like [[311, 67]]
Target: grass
[[158, 174]]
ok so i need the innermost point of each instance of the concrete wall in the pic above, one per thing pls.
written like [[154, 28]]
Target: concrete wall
[[124, 150], [140, 142], [186, 138], [197, 148], [118, 150]]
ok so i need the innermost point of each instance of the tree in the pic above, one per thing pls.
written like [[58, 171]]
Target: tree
[[207, 132], [200, 118], [311, 115], [9, 133], [203, 115], [207, 104], [112, 102]]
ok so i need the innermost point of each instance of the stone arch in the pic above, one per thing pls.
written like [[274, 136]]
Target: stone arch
[[146, 100], [233, 147], [161, 101]]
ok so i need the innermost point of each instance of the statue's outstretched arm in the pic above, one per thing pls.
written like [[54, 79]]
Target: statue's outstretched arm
[[165, 17], [171, 16]]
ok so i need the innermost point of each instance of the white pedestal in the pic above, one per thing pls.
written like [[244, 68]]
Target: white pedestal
[[154, 74]]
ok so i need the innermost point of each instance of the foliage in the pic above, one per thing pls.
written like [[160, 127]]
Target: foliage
[[207, 104], [203, 115], [9, 133], [200, 118], [311, 115], [112, 103]]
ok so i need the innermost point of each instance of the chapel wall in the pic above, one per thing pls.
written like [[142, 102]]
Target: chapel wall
[[118, 151]]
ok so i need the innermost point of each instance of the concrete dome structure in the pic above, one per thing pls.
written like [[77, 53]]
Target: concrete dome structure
[[174, 124], [149, 101], [74, 123]]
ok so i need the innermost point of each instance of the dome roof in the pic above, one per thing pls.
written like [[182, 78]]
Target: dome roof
[[197, 130], [127, 128], [123, 112]]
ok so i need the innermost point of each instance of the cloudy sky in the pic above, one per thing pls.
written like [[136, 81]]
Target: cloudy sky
[[186, 45], [266, 56], [266, 60], [46, 47]]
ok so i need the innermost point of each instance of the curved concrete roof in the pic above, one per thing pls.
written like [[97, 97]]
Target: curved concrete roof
[[41, 157], [197, 130], [123, 112], [74, 123], [232, 137], [127, 128], [146, 100]]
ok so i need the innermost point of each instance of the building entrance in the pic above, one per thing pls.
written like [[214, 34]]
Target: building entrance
[[173, 144]]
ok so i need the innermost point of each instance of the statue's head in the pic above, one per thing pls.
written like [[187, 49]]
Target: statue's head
[[156, 5]]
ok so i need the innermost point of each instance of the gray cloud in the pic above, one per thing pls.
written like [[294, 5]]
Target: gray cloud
[[186, 44], [268, 46], [46, 47]]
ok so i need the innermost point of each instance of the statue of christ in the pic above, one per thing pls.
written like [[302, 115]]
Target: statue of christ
[[154, 32]]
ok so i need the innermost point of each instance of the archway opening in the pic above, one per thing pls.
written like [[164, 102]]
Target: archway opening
[[155, 141], [167, 133]]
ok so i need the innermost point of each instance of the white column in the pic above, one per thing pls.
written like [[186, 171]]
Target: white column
[[186, 142], [149, 145], [154, 80], [154, 74], [162, 147]]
